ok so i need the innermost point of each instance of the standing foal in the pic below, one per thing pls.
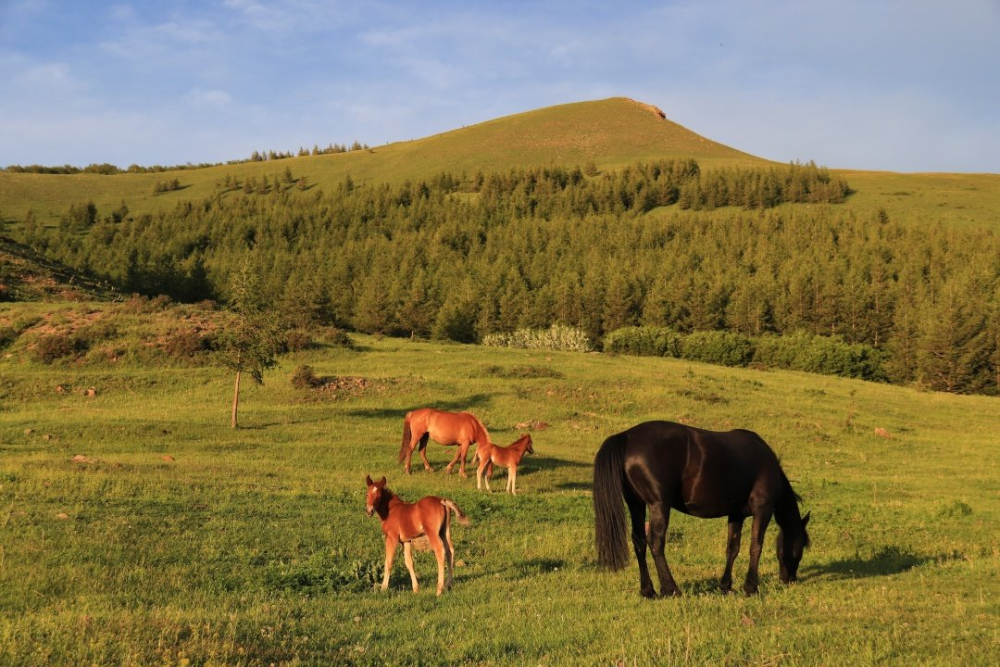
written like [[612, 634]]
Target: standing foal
[[403, 522], [508, 457]]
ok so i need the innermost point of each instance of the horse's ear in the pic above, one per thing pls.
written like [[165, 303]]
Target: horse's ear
[[368, 480], [805, 519], [381, 482]]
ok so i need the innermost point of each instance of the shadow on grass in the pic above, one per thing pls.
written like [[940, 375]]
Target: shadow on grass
[[887, 561], [533, 463], [474, 401]]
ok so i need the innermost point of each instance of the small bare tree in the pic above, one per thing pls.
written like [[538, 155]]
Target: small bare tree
[[251, 340]]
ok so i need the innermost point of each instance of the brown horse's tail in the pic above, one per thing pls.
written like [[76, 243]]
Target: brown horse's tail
[[450, 505], [610, 529], [406, 437]]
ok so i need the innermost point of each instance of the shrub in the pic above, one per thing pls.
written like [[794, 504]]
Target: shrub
[[184, 344], [718, 347], [337, 337], [50, 347], [829, 355], [305, 378], [297, 340], [7, 336], [644, 341], [556, 337]]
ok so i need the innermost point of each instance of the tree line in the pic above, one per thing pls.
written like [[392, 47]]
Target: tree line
[[460, 256]]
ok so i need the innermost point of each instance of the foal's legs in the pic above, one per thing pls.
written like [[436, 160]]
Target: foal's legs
[[732, 549], [390, 553], [441, 554], [659, 520], [760, 520], [449, 550], [483, 463], [512, 479], [408, 557]]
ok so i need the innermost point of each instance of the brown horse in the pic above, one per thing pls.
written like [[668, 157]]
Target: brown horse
[[508, 457], [448, 428], [403, 522]]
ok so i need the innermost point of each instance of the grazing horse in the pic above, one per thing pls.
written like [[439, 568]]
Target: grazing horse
[[403, 522], [448, 428], [508, 457], [706, 474]]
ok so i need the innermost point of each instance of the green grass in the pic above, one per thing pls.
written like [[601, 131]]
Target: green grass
[[251, 547]]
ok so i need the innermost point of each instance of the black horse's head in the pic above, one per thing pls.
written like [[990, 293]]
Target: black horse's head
[[791, 544]]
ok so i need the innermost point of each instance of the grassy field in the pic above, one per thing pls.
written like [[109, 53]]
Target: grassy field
[[136, 528]]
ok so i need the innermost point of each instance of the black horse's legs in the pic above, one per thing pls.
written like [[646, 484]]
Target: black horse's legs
[[732, 549], [659, 519], [760, 521], [637, 509]]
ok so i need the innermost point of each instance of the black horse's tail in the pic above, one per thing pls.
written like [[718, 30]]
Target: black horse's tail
[[406, 437], [610, 525]]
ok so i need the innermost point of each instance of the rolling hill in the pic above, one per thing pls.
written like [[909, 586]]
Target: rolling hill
[[609, 133]]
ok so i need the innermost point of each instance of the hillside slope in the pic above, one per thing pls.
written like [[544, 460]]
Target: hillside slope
[[609, 133]]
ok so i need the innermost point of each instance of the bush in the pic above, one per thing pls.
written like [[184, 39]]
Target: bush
[[718, 347], [184, 344], [7, 336], [337, 337], [296, 340], [644, 341], [50, 347], [556, 337], [829, 355], [305, 378]]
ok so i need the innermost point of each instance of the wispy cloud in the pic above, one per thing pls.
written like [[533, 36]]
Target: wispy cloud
[[859, 85]]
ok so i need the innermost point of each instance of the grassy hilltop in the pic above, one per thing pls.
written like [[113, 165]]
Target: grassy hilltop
[[609, 133]]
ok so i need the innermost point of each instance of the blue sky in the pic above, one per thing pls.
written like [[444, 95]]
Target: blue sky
[[902, 85]]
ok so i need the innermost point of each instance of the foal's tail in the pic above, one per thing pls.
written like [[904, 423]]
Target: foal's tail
[[406, 437], [609, 511], [450, 505]]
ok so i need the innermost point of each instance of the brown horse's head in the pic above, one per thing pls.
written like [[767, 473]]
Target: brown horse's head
[[528, 449], [374, 496]]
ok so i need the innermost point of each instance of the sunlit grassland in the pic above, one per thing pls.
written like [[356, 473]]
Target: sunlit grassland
[[251, 546]]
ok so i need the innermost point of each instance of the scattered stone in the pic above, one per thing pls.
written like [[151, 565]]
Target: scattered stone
[[167, 457], [62, 516], [92, 391], [80, 458], [49, 436], [882, 433], [29, 431], [60, 389]]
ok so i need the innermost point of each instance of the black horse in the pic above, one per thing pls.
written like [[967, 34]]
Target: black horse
[[702, 473]]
